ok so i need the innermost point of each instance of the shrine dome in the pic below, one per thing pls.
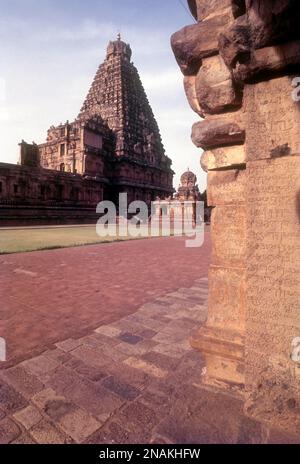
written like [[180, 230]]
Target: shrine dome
[[188, 178]]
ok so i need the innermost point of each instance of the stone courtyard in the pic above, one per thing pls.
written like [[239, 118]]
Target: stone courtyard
[[58, 294], [121, 369]]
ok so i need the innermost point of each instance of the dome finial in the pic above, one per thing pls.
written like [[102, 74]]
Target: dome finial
[[119, 36]]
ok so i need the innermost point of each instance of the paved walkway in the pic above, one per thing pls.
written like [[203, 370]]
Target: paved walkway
[[49, 296], [134, 379], [109, 383]]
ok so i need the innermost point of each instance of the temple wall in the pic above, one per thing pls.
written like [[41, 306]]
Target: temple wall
[[34, 196], [40, 196], [239, 63]]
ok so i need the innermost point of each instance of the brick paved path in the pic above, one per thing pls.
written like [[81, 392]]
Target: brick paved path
[[53, 295]]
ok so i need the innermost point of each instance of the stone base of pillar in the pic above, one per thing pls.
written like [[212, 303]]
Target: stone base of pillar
[[224, 355]]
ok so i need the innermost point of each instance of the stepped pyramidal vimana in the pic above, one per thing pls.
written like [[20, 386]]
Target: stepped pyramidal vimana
[[114, 146]]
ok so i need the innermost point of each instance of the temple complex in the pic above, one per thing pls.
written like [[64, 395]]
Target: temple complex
[[191, 337], [241, 62], [114, 146]]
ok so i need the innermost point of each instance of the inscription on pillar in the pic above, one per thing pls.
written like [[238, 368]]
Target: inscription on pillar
[[272, 120]]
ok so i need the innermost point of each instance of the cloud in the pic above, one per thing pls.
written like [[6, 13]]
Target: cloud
[[46, 32], [87, 30], [166, 81]]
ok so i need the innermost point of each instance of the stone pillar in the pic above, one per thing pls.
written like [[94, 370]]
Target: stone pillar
[[222, 338], [213, 95], [262, 51], [252, 155]]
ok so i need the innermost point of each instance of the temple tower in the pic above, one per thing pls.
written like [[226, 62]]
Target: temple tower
[[118, 96], [115, 138]]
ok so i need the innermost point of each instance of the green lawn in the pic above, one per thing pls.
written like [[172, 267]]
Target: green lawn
[[21, 240]]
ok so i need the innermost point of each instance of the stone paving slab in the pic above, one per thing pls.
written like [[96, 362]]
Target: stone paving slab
[[115, 386]]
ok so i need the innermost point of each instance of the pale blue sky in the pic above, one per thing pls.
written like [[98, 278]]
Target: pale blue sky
[[50, 51]]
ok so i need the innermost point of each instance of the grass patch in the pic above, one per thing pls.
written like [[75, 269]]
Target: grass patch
[[24, 240]]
